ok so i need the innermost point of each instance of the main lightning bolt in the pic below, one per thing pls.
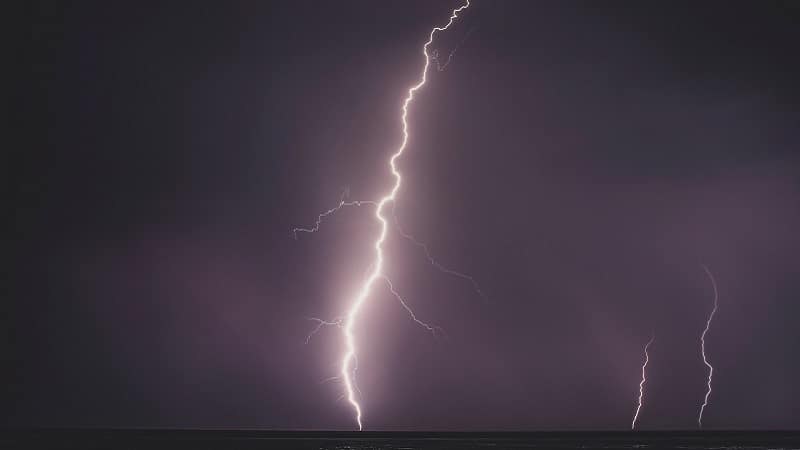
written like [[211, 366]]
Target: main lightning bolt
[[703, 345], [641, 383], [350, 355], [348, 322]]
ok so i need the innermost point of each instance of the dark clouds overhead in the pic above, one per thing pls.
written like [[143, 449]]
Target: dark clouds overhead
[[581, 160]]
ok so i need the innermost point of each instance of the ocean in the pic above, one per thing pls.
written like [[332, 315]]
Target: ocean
[[320, 440]]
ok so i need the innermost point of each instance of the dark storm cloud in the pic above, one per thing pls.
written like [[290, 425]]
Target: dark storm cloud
[[580, 160]]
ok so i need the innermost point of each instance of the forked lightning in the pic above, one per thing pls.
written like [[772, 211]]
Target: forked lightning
[[349, 321]]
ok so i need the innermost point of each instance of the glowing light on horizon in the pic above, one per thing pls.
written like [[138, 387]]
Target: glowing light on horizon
[[703, 345], [641, 383]]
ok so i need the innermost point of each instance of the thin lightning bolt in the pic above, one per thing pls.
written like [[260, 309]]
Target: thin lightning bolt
[[641, 383], [343, 203], [349, 359], [435, 54], [436, 330], [434, 262], [322, 323], [703, 345]]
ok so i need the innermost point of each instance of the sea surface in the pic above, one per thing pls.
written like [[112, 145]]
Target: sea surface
[[317, 440]]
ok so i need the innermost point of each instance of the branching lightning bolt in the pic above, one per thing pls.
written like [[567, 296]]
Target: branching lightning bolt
[[436, 263], [641, 383], [703, 345], [322, 323], [347, 323], [436, 330], [352, 315], [343, 203], [435, 54], [337, 322]]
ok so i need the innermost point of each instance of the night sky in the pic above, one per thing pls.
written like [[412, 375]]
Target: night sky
[[581, 160]]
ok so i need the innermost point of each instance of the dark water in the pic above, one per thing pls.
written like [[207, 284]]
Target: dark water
[[250, 439]]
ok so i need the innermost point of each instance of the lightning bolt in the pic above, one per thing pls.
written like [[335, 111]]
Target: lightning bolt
[[435, 54], [322, 323], [343, 203], [337, 322], [423, 246], [641, 383], [703, 345], [436, 330], [352, 315], [347, 323], [434, 262]]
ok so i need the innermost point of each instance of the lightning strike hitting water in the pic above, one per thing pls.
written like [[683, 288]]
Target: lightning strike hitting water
[[349, 359], [641, 383], [703, 345]]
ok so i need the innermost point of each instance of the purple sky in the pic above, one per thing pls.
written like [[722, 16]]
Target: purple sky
[[581, 161]]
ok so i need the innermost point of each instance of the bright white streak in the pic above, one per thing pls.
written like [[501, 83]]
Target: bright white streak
[[641, 383], [703, 345], [350, 355]]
